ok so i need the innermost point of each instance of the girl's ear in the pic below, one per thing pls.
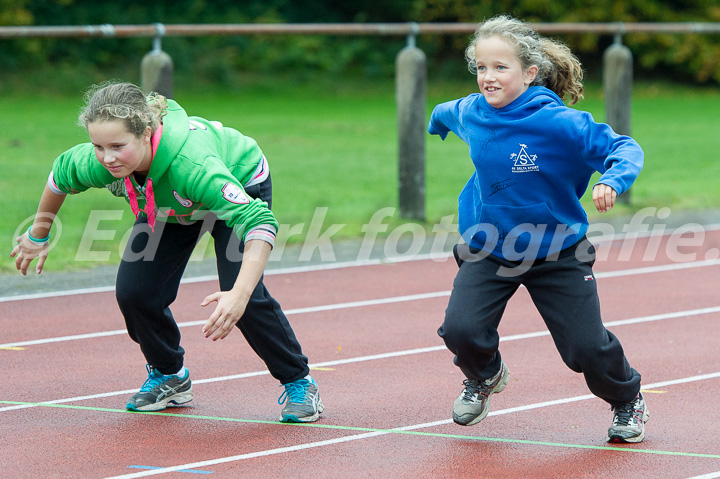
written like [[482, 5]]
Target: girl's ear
[[530, 74], [147, 134]]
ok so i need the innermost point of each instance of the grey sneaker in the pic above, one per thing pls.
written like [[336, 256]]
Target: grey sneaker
[[303, 401], [629, 421], [473, 404], [159, 390]]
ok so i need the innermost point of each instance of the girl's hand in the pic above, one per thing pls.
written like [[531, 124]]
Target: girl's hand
[[604, 197], [26, 251], [230, 308], [231, 304]]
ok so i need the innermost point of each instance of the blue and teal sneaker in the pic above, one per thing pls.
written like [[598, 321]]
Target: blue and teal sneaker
[[303, 401], [159, 390]]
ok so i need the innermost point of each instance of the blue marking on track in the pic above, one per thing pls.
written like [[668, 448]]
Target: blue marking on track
[[191, 471]]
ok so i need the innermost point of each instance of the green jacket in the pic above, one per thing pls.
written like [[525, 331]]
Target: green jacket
[[198, 166]]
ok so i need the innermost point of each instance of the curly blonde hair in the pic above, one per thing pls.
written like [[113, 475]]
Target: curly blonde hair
[[558, 69], [126, 102]]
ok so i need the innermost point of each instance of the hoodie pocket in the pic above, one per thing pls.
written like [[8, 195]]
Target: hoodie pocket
[[514, 232]]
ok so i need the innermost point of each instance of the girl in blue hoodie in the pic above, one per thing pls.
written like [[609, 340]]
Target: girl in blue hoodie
[[522, 222]]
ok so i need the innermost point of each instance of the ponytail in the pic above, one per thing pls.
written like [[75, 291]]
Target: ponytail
[[565, 76]]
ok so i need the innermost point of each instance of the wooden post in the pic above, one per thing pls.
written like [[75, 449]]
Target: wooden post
[[617, 83], [411, 87], [156, 68]]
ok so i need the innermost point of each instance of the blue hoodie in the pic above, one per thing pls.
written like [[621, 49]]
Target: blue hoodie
[[533, 161]]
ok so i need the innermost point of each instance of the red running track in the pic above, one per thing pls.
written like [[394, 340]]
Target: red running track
[[387, 382]]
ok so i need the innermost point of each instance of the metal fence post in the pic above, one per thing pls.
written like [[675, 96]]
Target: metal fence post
[[156, 68], [410, 89], [617, 84]]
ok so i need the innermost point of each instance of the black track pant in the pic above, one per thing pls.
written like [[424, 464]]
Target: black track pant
[[564, 292], [147, 284]]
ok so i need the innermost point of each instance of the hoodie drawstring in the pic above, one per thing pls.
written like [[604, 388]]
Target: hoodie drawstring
[[149, 208]]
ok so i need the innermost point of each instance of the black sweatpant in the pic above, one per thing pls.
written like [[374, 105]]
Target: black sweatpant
[[564, 291], [149, 278]]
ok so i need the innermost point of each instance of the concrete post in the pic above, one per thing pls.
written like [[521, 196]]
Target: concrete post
[[617, 83], [411, 88], [156, 68]]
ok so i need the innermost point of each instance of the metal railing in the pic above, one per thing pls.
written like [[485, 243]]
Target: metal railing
[[410, 28]]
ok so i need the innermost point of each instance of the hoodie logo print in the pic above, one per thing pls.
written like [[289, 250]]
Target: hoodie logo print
[[523, 161]]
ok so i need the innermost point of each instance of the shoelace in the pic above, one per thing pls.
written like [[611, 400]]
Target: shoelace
[[155, 378], [472, 387], [623, 414], [294, 392]]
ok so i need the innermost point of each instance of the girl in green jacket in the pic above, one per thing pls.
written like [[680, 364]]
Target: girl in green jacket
[[182, 176]]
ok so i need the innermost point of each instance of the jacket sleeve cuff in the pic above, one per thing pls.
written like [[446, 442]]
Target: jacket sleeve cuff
[[264, 233], [53, 187]]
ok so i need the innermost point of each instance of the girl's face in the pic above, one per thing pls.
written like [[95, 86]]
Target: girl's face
[[500, 75], [118, 150]]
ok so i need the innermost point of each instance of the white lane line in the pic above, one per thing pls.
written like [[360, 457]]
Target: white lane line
[[60, 339], [371, 302], [353, 304], [289, 312], [660, 317], [356, 437], [711, 475], [352, 264], [269, 452], [264, 372], [268, 272], [394, 354], [658, 268]]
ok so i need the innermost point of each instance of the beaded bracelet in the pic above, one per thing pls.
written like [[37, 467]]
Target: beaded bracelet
[[43, 241]]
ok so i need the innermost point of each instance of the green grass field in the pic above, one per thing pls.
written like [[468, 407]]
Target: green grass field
[[332, 144]]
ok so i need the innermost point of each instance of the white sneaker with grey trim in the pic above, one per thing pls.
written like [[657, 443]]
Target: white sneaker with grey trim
[[629, 421]]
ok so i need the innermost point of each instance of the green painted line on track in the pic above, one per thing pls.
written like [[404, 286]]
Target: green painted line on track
[[370, 429]]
